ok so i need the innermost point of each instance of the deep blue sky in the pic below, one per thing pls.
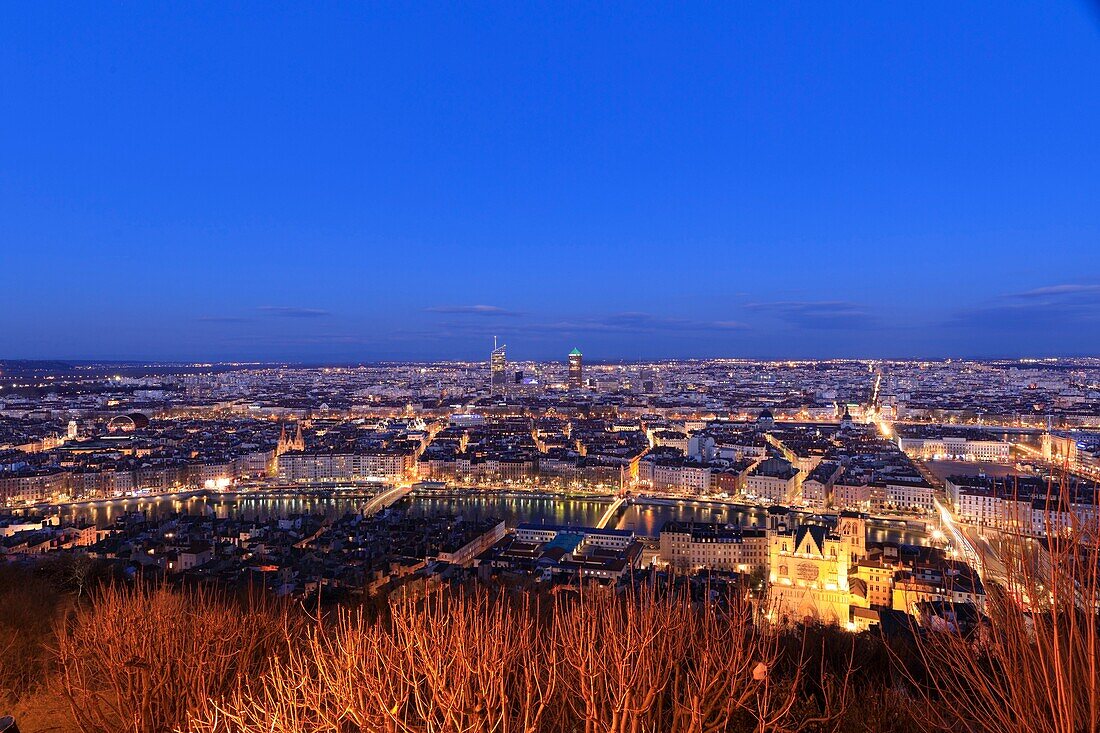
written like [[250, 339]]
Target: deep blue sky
[[316, 181]]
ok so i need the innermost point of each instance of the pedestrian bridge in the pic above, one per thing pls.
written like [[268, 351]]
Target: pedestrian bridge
[[385, 499], [612, 512]]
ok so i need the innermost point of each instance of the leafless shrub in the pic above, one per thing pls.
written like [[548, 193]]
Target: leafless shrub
[[462, 663], [139, 659], [646, 664], [1033, 665], [476, 663]]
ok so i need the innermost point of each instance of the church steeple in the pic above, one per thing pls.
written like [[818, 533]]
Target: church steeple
[[286, 444]]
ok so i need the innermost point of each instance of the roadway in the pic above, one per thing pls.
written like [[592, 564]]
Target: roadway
[[978, 550], [960, 538]]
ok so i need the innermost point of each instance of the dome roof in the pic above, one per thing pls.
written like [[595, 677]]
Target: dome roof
[[126, 423]]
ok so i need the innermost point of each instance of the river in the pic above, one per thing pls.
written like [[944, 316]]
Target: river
[[644, 518]]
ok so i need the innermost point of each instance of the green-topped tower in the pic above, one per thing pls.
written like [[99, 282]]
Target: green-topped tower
[[576, 369]]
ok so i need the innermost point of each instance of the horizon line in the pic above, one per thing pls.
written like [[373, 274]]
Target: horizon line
[[607, 360]]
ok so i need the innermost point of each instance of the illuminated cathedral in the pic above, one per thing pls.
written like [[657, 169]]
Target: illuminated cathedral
[[285, 444]]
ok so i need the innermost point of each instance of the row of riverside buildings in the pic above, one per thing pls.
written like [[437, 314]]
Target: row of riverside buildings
[[161, 476], [1027, 505]]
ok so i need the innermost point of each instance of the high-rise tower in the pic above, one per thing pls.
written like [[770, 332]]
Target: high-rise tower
[[498, 367], [576, 369]]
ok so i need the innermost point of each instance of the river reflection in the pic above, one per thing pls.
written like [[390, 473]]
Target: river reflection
[[644, 518], [262, 508], [514, 509], [647, 519]]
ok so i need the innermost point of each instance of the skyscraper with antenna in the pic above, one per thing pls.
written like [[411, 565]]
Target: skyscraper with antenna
[[498, 368]]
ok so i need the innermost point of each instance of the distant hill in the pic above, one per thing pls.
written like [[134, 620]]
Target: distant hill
[[27, 366]]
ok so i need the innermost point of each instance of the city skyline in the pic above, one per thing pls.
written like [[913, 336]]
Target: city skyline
[[366, 184]]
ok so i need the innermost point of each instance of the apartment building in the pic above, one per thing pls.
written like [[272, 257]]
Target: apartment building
[[696, 545]]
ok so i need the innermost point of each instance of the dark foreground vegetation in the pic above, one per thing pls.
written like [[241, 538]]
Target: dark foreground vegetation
[[98, 655]]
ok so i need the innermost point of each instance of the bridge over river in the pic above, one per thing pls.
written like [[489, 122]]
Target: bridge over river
[[612, 513]]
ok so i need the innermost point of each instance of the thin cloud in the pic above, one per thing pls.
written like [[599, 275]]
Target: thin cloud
[[614, 323], [283, 311], [475, 310], [634, 322], [838, 314], [283, 340], [223, 319], [1017, 317], [1055, 307], [1068, 289]]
